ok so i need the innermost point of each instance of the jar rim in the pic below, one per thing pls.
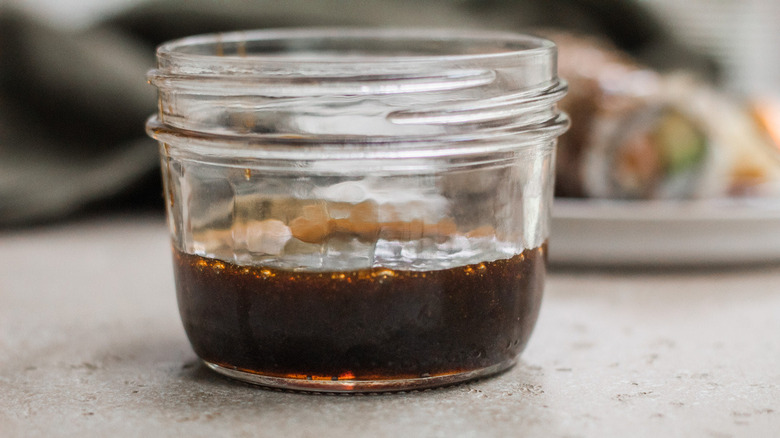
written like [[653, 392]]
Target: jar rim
[[406, 85], [258, 52]]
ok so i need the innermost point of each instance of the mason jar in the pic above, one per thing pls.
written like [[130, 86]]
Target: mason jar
[[358, 209]]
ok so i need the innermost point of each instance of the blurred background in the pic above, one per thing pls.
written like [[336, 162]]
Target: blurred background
[[697, 83], [739, 34]]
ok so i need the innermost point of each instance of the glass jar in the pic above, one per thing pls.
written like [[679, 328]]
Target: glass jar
[[358, 210]]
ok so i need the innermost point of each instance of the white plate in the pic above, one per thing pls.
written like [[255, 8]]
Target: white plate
[[664, 233]]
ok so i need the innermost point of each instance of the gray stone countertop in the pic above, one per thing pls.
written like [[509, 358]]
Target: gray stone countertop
[[91, 345]]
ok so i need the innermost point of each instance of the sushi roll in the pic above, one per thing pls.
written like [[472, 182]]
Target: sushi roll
[[640, 134]]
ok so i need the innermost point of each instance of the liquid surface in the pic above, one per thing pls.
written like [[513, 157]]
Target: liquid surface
[[370, 324]]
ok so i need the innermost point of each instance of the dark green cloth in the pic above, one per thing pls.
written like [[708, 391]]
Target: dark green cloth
[[73, 103]]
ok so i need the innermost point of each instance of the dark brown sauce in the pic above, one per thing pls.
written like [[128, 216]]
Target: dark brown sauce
[[372, 324]]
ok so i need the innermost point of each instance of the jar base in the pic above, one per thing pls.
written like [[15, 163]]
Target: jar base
[[360, 386]]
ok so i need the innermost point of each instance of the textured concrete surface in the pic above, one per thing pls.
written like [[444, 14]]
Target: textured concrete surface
[[91, 344]]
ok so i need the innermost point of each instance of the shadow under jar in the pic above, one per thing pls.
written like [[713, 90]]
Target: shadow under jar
[[358, 210]]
